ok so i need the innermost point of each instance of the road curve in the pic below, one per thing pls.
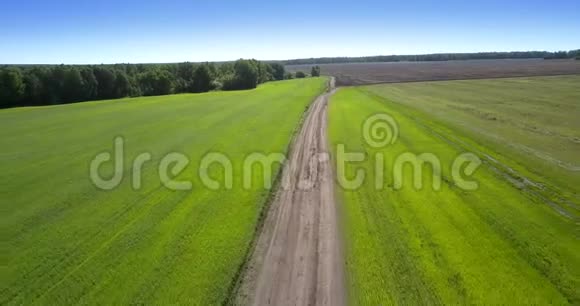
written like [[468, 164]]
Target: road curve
[[297, 259]]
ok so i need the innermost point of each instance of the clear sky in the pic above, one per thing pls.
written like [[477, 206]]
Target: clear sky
[[114, 31]]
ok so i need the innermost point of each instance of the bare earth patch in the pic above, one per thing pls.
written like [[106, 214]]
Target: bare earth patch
[[393, 72], [297, 259]]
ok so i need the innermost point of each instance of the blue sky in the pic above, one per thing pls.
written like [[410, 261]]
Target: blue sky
[[108, 31]]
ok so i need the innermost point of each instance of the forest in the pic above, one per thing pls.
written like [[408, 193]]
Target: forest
[[24, 85], [438, 57]]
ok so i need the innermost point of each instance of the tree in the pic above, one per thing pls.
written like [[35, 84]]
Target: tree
[[185, 77], [278, 71], [264, 71], [54, 80], [156, 82], [122, 85], [90, 84], [226, 69], [245, 76], [72, 85], [11, 87], [315, 72], [106, 82], [202, 79], [300, 75], [33, 89], [288, 76]]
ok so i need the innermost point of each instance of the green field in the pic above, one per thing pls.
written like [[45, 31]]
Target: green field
[[65, 241], [513, 240], [530, 124]]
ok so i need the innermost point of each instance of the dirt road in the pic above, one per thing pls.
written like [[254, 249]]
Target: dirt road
[[297, 259]]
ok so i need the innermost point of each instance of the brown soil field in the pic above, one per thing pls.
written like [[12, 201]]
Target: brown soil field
[[394, 72]]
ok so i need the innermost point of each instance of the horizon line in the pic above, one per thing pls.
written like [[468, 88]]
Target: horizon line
[[298, 59]]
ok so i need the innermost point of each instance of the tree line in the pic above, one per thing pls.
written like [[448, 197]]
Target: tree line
[[438, 57], [22, 85]]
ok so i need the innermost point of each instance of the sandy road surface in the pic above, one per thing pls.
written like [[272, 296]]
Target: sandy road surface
[[297, 259]]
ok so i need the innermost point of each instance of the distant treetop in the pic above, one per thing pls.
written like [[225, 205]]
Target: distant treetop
[[436, 57]]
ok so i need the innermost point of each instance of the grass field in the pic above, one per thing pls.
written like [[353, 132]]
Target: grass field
[[65, 241], [513, 240], [529, 125]]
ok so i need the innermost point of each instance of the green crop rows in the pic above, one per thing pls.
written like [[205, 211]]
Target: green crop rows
[[65, 241], [513, 240]]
